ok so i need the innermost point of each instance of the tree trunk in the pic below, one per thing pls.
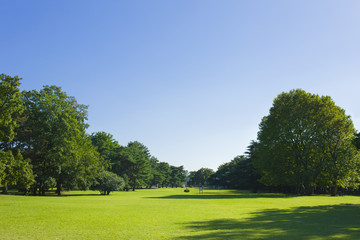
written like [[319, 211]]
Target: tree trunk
[[34, 189], [334, 190], [58, 188], [5, 190]]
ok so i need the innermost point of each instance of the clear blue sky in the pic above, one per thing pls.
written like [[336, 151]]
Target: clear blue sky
[[189, 79]]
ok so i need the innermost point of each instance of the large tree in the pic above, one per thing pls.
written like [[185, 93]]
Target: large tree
[[13, 168], [53, 136], [306, 142]]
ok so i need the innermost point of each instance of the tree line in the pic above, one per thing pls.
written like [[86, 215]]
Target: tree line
[[306, 144], [44, 145]]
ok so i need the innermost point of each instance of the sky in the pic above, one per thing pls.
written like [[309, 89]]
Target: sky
[[189, 79]]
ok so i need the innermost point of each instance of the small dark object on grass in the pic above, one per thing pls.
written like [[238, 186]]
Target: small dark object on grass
[[187, 190]]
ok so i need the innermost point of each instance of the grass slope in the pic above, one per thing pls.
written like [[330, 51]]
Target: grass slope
[[173, 214]]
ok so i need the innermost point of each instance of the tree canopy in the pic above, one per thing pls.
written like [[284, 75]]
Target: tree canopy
[[53, 137], [306, 142]]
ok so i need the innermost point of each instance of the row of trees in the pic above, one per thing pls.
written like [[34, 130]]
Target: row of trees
[[239, 173], [305, 144], [135, 164], [44, 144]]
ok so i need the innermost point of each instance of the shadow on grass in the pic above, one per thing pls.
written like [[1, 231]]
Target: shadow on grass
[[74, 195], [321, 222], [53, 194], [219, 195]]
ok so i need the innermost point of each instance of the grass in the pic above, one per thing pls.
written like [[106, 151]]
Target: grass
[[173, 214]]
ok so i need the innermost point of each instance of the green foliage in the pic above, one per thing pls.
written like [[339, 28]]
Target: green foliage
[[17, 171], [108, 148], [89, 165], [108, 182], [177, 176], [306, 142], [357, 140], [10, 106], [164, 172], [53, 136], [155, 176], [239, 173], [13, 169], [200, 177], [135, 161]]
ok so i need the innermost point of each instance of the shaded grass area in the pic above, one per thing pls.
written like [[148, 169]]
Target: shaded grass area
[[239, 195], [321, 222], [173, 214]]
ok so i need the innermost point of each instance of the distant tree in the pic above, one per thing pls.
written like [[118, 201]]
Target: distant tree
[[135, 161], [108, 148], [357, 140], [155, 176], [88, 167], [201, 177], [108, 182], [306, 142], [164, 173], [239, 173], [177, 176], [192, 180]]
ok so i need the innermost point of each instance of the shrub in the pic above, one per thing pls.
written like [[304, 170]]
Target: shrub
[[108, 182]]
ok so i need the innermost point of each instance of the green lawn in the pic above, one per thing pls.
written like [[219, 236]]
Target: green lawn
[[173, 214]]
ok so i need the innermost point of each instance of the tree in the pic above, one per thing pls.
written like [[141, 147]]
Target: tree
[[17, 171], [108, 182], [108, 148], [11, 105], [13, 168], [239, 173], [53, 136], [88, 166], [306, 142], [201, 177], [357, 140], [177, 176], [135, 161], [164, 172], [155, 177]]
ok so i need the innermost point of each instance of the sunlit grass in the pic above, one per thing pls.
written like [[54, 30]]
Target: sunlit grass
[[173, 214]]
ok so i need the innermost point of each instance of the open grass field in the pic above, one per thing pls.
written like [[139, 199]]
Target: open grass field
[[173, 214]]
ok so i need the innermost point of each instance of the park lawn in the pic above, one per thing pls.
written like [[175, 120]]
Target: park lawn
[[173, 214]]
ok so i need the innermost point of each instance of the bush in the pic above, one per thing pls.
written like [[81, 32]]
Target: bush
[[187, 190], [109, 181]]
